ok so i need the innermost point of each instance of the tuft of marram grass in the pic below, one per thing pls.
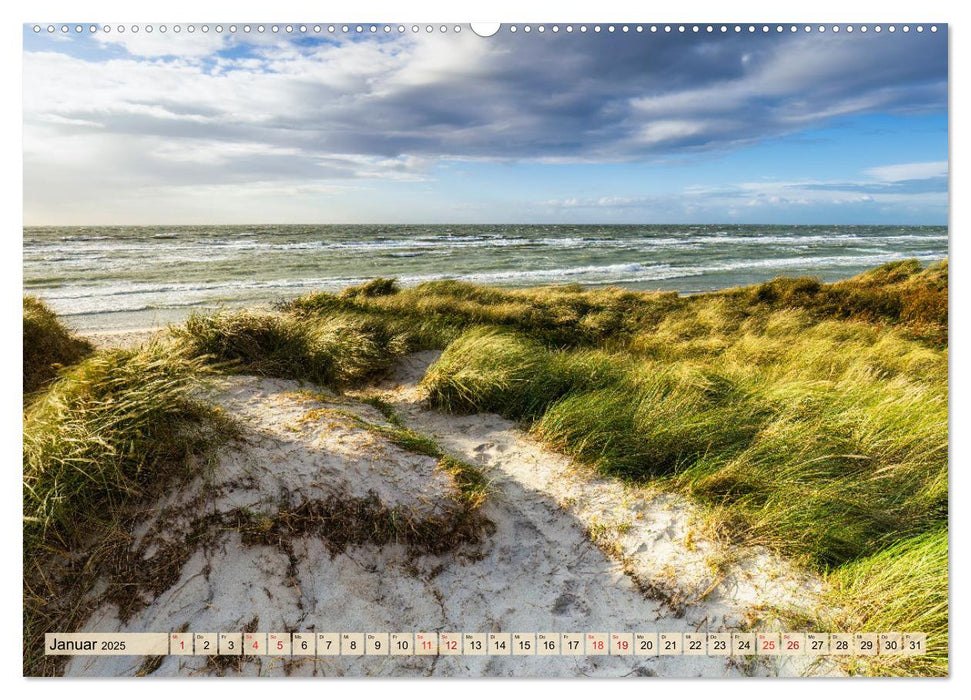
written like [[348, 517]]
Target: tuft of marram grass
[[103, 432], [903, 588], [494, 370], [378, 287], [332, 351], [48, 345], [649, 428], [112, 431]]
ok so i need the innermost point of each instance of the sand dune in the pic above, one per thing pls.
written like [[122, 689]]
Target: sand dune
[[559, 550]]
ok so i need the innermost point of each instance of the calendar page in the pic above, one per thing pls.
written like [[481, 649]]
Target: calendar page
[[546, 349]]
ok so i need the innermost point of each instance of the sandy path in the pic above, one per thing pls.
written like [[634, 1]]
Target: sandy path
[[538, 571], [658, 536]]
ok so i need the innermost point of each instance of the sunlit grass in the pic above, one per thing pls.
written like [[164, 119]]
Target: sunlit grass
[[105, 430], [333, 351], [48, 346], [903, 588]]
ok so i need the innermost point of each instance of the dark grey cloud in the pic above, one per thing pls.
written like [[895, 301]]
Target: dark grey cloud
[[604, 97]]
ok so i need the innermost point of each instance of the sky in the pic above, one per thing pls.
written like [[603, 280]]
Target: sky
[[581, 127]]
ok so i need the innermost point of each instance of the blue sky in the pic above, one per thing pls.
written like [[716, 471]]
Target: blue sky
[[782, 128]]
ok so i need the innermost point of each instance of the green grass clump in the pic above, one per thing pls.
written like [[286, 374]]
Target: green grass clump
[[494, 370], [378, 287], [109, 434], [639, 429], [331, 351], [903, 588], [48, 345], [850, 452], [107, 429]]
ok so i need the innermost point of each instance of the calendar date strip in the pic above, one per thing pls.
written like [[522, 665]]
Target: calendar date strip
[[322, 644]]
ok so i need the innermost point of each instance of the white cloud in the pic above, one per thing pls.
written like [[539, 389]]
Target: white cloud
[[909, 171], [775, 195], [155, 43], [668, 130]]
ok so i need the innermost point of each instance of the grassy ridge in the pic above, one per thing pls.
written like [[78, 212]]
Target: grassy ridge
[[108, 432], [809, 417], [902, 294], [48, 345], [832, 448], [903, 587]]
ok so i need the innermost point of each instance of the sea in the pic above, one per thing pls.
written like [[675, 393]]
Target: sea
[[127, 277]]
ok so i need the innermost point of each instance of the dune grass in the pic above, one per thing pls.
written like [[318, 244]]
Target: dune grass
[[902, 294], [564, 315], [489, 369], [902, 588], [48, 346], [825, 438], [808, 417], [826, 442], [103, 432], [111, 431], [335, 351]]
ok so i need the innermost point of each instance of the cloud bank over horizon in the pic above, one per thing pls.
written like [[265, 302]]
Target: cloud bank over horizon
[[220, 128]]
